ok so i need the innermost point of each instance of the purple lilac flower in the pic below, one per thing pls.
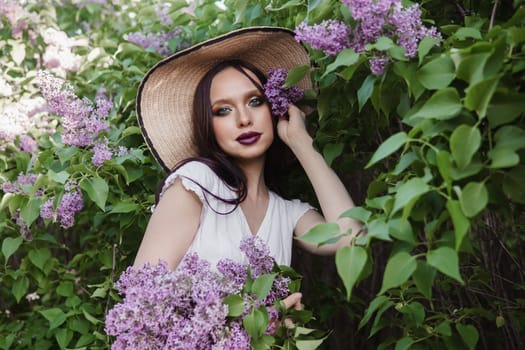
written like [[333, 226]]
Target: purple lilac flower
[[46, 210], [70, 204], [258, 255], [22, 185], [155, 41], [24, 229], [280, 97], [183, 309], [101, 152], [163, 12], [331, 36], [28, 144], [378, 65], [82, 121]]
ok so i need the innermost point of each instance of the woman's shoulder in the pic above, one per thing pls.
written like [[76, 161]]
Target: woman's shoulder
[[195, 175]]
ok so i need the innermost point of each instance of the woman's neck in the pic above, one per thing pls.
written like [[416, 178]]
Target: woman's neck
[[255, 184]]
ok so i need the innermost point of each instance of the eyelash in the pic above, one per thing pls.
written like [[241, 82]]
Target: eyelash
[[254, 102]]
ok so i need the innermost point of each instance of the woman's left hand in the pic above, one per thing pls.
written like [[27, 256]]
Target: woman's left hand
[[292, 130]]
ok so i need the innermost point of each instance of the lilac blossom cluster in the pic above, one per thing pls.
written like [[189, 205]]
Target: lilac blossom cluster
[[22, 185], [59, 53], [184, 309], [373, 19], [70, 203], [158, 42], [278, 96], [82, 120], [331, 36]]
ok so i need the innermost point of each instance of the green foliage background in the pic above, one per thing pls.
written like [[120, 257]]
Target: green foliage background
[[433, 150]]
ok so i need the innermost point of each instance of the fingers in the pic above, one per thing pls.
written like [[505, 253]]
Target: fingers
[[293, 300], [294, 110]]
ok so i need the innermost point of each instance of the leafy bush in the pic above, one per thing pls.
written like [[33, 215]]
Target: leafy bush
[[432, 146]]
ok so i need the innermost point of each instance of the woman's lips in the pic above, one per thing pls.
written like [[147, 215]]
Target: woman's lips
[[248, 138]]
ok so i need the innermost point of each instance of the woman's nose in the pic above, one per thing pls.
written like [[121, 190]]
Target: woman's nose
[[244, 117]]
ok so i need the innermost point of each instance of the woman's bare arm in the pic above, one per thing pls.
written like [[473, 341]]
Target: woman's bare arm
[[171, 228], [332, 195]]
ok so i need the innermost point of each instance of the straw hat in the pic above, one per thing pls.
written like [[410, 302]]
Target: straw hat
[[165, 96]]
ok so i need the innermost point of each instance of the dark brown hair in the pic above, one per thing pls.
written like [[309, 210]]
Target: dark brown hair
[[209, 152]]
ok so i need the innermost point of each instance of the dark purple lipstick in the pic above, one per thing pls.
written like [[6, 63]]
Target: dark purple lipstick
[[248, 138]]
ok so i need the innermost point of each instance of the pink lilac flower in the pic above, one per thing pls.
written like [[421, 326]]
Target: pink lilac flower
[[158, 42], [278, 96], [101, 152], [15, 14], [70, 203], [28, 144], [331, 36], [82, 121]]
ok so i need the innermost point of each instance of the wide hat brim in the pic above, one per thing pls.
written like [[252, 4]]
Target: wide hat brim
[[165, 95]]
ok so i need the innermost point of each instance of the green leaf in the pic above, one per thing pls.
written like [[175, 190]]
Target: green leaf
[[469, 334], [39, 257], [470, 67], [63, 337], [296, 74], [20, 287], [350, 262], [398, 270], [503, 158], [478, 96], [60, 177], [467, 32], [31, 211], [444, 104], [402, 230], [308, 344], [262, 285], [10, 246], [409, 192], [437, 74], [474, 198], [414, 312], [235, 305], [445, 259], [425, 46], [424, 278], [65, 289], [378, 229], [365, 91], [511, 137], [505, 107], [130, 130], [124, 207], [346, 58], [464, 143], [320, 233], [392, 144], [255, 323], [460, 221], [444, 328], [404, 343], [444, 164], [357, 213], [332, 151], [97, 190], [55, 316], [513, 184], [375, 304]]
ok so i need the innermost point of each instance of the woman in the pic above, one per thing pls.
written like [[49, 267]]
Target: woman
[[203, 113]]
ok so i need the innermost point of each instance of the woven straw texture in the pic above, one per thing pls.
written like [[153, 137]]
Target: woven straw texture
[[165, 97]]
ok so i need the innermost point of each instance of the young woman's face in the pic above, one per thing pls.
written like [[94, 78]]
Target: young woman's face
[[242, 121]]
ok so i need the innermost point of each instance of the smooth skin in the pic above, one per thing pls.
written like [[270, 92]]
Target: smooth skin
[[238, 107]]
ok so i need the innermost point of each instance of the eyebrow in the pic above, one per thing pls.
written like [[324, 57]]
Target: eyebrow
[[253, 92]]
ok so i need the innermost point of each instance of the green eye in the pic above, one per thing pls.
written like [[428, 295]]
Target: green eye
[[222, 111], [256, 101]]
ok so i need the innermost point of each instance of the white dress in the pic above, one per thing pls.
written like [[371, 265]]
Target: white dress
[[219, 236]]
